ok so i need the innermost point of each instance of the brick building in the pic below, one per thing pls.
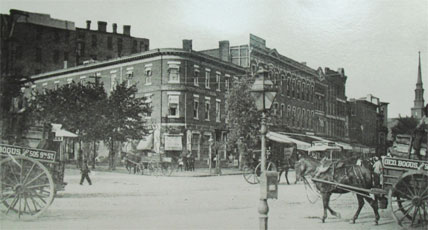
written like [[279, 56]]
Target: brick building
[[33, 43], [308, 100], [186, 90], [368, 123]]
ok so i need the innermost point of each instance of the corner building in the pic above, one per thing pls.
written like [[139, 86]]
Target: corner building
[[185, 88]]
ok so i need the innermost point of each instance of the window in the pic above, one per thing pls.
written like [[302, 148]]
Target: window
[[109, 43], [94, 40], [113, 82], [207, 109], [80, 49], [207, 78], [217, 111], [227, 82], [275, 108], [282, 110], [129, 76], [148, 74], [56, 85], [218, 81], [196, 107], [196, 77], [174, 72], [173, 105], [39, 33], [134, 46]]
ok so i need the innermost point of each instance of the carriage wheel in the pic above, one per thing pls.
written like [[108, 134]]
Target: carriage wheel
[[270, 167], [408, 199], [27, 188], [250, 175]]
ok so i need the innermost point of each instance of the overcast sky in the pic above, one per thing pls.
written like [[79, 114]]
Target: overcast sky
[[377, 42]]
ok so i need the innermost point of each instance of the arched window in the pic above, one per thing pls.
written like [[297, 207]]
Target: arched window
[[282, 110]]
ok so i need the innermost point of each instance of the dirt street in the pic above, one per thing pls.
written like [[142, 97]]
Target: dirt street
[[122, 201]]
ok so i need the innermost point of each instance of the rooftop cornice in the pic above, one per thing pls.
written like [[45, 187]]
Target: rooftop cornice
[[286, 60], [139, 56]]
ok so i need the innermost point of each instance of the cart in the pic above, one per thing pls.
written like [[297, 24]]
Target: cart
[[405, 185], [156, 164], [30, 179]]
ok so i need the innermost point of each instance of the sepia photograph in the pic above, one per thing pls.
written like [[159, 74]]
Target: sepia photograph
[[214, 114]]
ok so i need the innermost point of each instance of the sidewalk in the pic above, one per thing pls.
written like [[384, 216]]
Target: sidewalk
[[199, 172]]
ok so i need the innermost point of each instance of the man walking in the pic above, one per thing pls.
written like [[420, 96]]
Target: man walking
[[84, 170], [242, 151]]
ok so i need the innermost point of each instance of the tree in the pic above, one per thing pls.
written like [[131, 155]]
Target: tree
[[124, 118], [243, 117], [76, 106], [405, 125]]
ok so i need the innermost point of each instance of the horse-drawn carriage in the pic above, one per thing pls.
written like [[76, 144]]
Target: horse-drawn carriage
[[149, 163], [30, 177], [280, 157], [404, 187]]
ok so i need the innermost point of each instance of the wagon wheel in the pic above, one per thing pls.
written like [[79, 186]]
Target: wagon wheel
[[270, 167], [408, 199], [27, 188], [250, 175]]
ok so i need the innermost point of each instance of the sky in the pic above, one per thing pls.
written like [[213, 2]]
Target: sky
[[375, 41]]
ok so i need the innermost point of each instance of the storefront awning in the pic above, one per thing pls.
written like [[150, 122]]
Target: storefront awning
[[323, 148], [283, 138], [59, 132], [146, 143]]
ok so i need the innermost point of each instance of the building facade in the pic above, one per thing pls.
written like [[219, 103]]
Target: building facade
[[186, 90], [308, 100], [368, 123], [33, 43]]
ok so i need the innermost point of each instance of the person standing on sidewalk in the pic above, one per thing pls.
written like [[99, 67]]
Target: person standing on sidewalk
[[84, 170], [242, 151]]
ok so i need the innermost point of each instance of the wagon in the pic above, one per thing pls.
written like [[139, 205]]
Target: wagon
[[405, 185], [30, 179], [280, 159]]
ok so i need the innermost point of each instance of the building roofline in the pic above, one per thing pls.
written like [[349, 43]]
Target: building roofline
[[134, 57]]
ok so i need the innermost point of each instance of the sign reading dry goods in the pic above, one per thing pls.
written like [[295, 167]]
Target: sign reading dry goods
[[404, 163], [38, 154]]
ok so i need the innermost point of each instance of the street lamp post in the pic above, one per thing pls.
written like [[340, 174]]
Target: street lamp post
[[263, 93], [210, 142]]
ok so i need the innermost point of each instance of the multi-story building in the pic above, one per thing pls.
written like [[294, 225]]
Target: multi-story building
[[185, 88], [308, 100], [368, 123], [33, 43]]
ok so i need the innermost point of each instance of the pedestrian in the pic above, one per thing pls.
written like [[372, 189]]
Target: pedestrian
[[242, 151], [377, 170], [84, 170]]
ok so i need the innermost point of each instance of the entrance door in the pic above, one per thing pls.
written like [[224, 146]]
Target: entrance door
[[195, 145], [205, 147]]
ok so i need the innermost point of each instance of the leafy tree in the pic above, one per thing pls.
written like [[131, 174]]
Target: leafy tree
[[124, 118], [76, 106], [405, 125], [243, 117]]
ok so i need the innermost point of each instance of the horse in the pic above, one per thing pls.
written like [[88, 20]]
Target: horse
[[131, 161], [284, 164], [346, 173], [305, 166]]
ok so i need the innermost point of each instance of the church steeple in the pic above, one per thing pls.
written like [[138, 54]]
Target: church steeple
[[419, 103]]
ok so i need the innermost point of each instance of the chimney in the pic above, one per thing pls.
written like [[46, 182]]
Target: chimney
[[127, 30], [114, 28], [224, 50], [187, 45], [102, 26], [88, 24]]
